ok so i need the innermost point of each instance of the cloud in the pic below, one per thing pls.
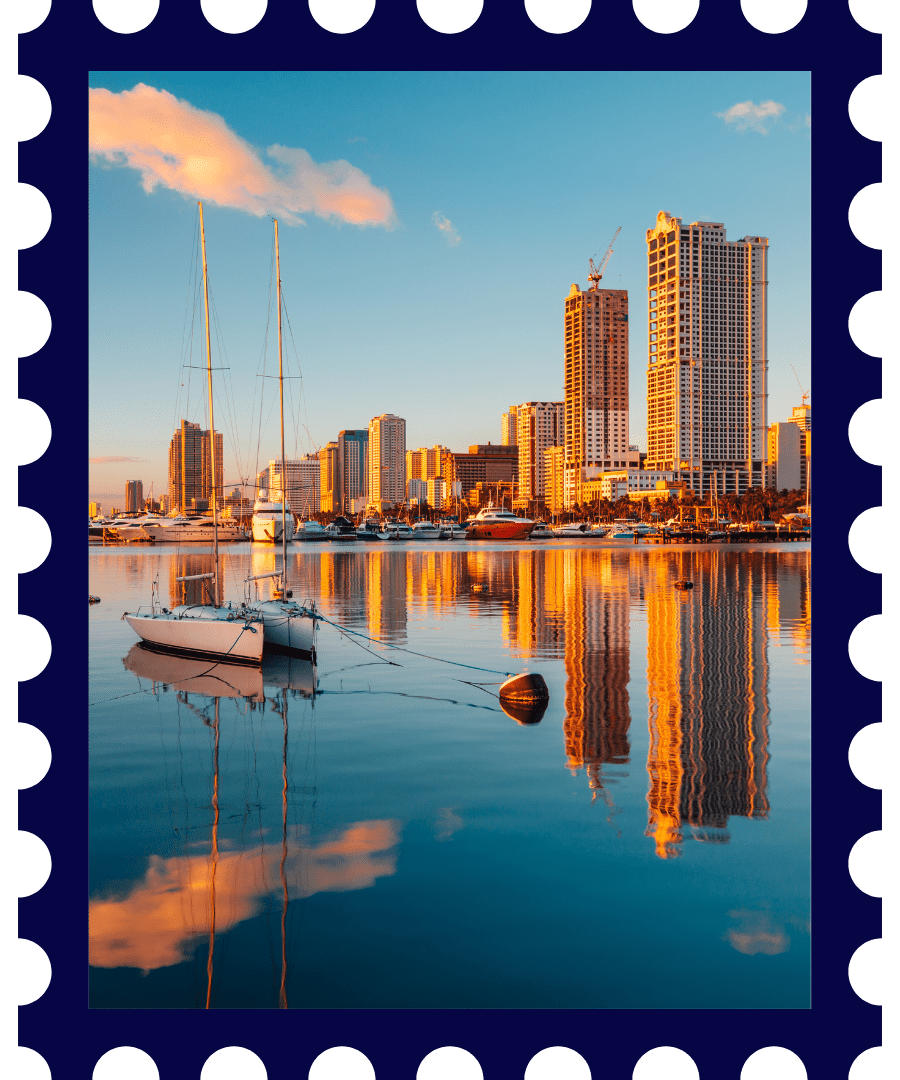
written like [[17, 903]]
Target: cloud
[[746, 115], [173, 144], [446, 226], [114, 460]]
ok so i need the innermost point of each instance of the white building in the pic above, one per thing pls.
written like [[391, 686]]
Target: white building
[[300, 478], [785, 456], [596, 386], [437, 492], [416, 490], [707, 355], [540, 425], [619, 483], [387, 459]]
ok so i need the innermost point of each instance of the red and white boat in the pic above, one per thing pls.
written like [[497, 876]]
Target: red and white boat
[[495, 523]]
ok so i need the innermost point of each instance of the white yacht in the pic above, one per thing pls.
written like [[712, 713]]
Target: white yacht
[[425, 530], [183, 529], [398, 530], [310, 532], [267, 520], [575, 530]]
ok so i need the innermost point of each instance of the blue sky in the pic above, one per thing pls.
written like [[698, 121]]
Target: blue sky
[[489, 192]]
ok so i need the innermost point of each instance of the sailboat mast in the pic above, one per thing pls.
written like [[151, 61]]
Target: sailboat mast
[[212, 428], [281, 407]]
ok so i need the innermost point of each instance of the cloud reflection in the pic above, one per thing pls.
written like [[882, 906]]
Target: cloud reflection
[[158, 923]]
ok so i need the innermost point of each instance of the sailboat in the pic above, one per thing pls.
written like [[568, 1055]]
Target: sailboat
[[289, 626], [203, 629]]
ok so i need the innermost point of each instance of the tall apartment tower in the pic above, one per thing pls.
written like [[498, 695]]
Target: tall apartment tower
[[707, 355], [134, 495], [353, 452], [541, 424], [801, 415], [596, 405], [329, 479], [387, 459], [509, 426], [189, 466], [300, 479]]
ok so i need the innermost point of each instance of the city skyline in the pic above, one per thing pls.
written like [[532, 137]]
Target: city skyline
[[433, 291]]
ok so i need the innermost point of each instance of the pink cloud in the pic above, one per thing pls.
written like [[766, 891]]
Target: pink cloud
[[173, 144]]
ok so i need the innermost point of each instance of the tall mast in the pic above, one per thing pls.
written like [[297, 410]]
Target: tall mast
[[281, 407], [212, 427]]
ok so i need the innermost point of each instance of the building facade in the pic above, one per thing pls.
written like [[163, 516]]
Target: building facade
[[486, 464], [329, 479], [541, 424], [387, 459], [134, 495], [784, 457], [190, 474], [426, 462], [596, 387], [801, 415], [554, 478], [509, 426], [707, 355], [301, 480], [353, 467]]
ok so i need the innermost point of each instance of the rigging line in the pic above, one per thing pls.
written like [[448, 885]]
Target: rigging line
[[300, 372], [228, 402], [369, 651], [400, 693], [399, 648], [187, 310], [264, 356], [302, 395]]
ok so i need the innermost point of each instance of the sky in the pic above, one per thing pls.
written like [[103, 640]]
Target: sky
[[431, 224]]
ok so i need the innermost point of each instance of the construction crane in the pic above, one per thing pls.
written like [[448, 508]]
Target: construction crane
[[597, 271], [804, 394]]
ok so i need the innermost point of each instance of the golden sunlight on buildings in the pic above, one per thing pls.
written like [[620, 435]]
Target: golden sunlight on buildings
[[163, 917], [707, 684]]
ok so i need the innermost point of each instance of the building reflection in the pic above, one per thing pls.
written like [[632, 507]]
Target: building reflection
[[707, 685], [788, 616]]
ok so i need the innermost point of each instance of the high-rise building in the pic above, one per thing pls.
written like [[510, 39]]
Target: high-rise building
[[387, 459], [784, 457], [801, 415], [487, 464], [95, 510], [541, 425], [134, 495], [509, 426], [301, 479], [707, 355], [554, 478], [189, 466], [596, 406], [426, 462], [329, 479], [353, 454]]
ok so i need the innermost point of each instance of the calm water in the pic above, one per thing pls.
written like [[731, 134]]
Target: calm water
[[384, 835]]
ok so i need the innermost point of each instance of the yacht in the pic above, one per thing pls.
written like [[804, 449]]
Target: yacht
[[452, 530], [183, 529], [575, 530], [541, 531], [341, 529], [310, 532], [398, 530], [267, 518], [425, 530], [495, 523], [370, 529]]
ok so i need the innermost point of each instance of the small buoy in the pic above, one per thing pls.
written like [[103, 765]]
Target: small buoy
[[525, 712], [525, 688], [684, 584], [94, 599]]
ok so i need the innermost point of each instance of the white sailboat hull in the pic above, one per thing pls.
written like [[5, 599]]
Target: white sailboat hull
[[288, 626], [203, 631]]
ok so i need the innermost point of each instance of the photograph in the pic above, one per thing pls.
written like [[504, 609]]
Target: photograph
[[389, 403]]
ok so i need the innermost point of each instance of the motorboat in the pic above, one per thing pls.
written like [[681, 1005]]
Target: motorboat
[[269, 516], [452, 530], [308, 532], [598, 532], [541, 531], [183, 529], [212, 629], [496, 523], [341, 529], [575, 530], [425, 530], [398, 530], [370, 529]]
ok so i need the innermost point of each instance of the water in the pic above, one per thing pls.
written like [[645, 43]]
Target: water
[[399, 841]]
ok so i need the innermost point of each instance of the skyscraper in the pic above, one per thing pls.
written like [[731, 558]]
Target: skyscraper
[[801, 415], [509, 426], [134, 495], [329, 479], [353, 455], [540, 425], [189, 467], [707, 355], [301, 480], [596, 406], [387, 459]]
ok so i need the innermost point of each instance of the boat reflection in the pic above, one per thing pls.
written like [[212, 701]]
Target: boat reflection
[[193, 898]]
